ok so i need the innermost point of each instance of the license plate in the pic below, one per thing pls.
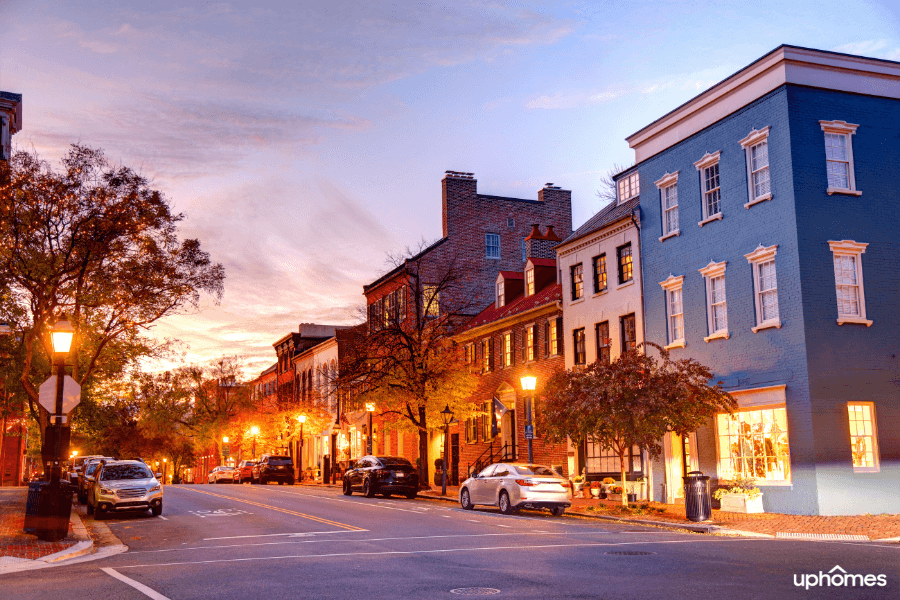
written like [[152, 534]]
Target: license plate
[[399, 474]]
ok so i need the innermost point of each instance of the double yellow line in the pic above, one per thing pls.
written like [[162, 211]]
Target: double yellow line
[[283, 510]]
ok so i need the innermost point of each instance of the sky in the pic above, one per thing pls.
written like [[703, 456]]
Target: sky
[[305, 141]]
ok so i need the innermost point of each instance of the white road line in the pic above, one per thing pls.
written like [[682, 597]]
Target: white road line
[[135, 584], [447, 516], [236, 537], [507, 526], [439, 551], [161, 517], [474, 520], [376, 505]]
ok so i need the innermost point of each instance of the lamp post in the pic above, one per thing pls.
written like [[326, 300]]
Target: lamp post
[[61, 336], [370, 408], [302, 420], [528, 384], [5, 330], [254, 431], [165, 462], [225, 449], [446, 417]]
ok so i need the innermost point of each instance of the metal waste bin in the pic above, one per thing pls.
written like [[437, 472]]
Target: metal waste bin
[[32, 506], [54, 512], [697, 503]]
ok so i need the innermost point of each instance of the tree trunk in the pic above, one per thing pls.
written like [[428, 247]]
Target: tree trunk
[[424, 483], [624, 486]]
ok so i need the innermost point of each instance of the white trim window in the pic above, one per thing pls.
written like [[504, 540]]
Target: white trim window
[[508, 349], [756, 149], [839, 157], [863, 437], [708, 166], [668, 198], [529, 282], [716, 306], [848, 281], [674, 310], [492, 245], [501, 294], [765, 287], [629, 187]]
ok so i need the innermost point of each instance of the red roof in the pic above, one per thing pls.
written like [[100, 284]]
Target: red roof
[[512, 275], [543, 262], [548, 295]]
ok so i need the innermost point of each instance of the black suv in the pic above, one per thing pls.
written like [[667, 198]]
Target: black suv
[[272, 467], [383, 475]]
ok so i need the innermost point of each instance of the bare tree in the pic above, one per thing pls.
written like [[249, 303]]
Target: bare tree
[[607, 192]]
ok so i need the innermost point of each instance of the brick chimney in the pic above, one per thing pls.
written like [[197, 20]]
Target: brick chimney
[[558, 201], [539, 245], [459, 194]]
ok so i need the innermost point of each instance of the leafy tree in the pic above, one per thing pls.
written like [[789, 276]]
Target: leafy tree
[[405, 361], [633, 401], [95, 242]]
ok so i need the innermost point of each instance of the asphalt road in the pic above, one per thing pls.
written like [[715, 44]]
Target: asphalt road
[[273, 542]]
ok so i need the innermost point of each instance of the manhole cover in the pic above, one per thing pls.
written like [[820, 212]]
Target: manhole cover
[[631, 553], [475, 591]]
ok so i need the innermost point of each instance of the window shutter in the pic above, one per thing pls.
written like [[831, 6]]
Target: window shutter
[[546, 339], [491, 353], [559, 336]]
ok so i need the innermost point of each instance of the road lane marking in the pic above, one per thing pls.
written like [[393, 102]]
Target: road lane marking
[[356, 502], [283, 510], [150, 592], [161, 517], [236, 537], [507, 526], [436, 551]]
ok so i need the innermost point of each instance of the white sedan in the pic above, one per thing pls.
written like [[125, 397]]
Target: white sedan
[[512, 486], [220, 474]]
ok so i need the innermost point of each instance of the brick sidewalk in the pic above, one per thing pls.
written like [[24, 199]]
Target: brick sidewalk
[[16, 543]]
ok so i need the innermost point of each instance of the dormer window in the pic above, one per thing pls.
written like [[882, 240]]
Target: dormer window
[[529, 282], [629, 187], [501, 295]]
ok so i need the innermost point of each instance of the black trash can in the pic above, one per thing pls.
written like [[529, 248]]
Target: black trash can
[[697, 502], [54, 512], [32, 506]]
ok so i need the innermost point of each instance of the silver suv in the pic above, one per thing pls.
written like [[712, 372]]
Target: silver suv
[[124, 485]]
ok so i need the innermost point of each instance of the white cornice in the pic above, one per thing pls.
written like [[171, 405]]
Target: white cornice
[[786, 64], [714, 269], [755, 137], [672, 282], [593, 238], [847, 247], [762, 253], [667, 180], [839, 127], [708, 160]]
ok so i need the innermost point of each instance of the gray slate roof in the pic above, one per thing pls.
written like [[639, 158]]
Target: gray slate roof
[[607, 215]]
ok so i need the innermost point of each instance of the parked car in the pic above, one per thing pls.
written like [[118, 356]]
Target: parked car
[[220, 474], [77, 468], [272, 467], [123, 485], [383, 475], [244, 471], [86, 478], [512, 486]]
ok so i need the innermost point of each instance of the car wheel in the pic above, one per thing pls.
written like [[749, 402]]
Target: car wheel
[[368, 489], [263, 480], [280, 482], [347, 489], [465, 500], [557, 511], [90, 508], [98, 513], [412, 495], [506, 506], [156, 510], [386, 495]]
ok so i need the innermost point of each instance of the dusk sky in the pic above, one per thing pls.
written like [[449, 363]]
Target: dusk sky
[[306, 141]]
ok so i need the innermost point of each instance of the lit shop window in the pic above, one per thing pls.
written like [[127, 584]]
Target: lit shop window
[[863, 437], [754, 443]]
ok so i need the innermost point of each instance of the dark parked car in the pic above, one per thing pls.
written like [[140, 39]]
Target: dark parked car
[[244, 471], [77, 468], [86, 478], [272, 467], [383, 475]]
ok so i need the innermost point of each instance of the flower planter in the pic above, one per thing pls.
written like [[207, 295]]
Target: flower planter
[[614, 497], [741, 503], [595, 492]]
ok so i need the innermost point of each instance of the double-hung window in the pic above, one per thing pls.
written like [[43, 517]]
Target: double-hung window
[[716, 306], [848, 280], [529, 282], [553, 337], [629, 333], [629, 187], [839, 157], [508, 349], [711, 193], [674, 310], [529, 343], [501, 294], [863, 437], [599, 264], [487, 355], [601, 331], [765, 287], [578, 345], [668, 198], [625, 263], [756, 149], [491, 245], [577, 281]]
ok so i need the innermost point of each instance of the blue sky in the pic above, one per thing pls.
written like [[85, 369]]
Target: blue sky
[[306, 141]]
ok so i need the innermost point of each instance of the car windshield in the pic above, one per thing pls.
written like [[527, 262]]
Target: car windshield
[[394, 461], [538, 470], [280, 460], [89, 470], [114, 472]]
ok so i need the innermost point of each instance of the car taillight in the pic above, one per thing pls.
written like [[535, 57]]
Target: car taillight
[[525, 482]]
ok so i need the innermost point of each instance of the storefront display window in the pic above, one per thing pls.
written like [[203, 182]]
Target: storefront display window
[[754, 443]]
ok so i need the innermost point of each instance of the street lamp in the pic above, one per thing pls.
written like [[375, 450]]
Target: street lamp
[[446, 417], [529, 382], [165, 461], [302, 420], [254, 431], [370, 408], [61, 337], [226, 451]]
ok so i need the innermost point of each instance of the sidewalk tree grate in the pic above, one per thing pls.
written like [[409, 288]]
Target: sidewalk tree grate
[[631, 553], [475, 591]]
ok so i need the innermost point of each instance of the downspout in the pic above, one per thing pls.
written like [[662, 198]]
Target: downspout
[[648, 465]]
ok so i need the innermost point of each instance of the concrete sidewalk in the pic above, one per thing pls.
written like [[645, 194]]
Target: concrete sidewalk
[[21, 551]]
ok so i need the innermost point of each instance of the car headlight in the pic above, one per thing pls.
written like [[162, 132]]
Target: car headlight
[[156, 488], [107, 491]]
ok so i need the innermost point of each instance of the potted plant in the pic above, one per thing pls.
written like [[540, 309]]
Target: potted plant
[[577, 484], [615, 493], [741, 497], [595, 489]]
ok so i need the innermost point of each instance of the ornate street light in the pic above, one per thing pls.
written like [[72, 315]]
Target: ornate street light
[[529, 381], [302, 420], [370, 408], [446, 417], [254, 431]]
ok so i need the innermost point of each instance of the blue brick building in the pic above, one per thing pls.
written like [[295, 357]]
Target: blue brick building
[[770, 234]]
